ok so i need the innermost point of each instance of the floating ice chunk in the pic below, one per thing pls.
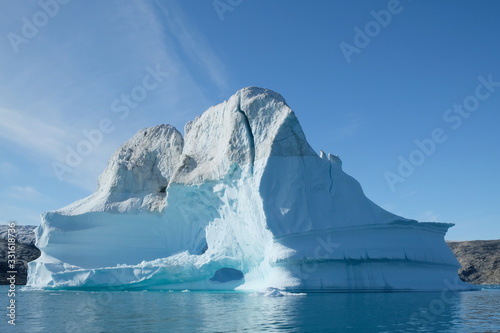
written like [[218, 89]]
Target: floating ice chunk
[[275, 292]]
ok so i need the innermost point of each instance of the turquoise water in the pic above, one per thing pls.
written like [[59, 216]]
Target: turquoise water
[[74, 312]]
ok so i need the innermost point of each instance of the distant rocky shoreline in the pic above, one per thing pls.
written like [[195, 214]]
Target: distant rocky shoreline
[[480, 260], [25, 251]]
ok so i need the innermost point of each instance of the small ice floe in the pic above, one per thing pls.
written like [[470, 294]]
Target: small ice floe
[[275, 292], [28, 288], [185, 291]]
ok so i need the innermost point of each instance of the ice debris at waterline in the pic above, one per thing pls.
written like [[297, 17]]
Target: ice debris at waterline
[[275, 292], [241, 202]]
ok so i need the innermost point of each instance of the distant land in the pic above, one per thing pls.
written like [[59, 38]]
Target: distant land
[[25, 251], [480, 259]]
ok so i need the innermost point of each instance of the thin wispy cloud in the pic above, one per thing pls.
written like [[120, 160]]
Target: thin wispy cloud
[[19, 214], [193, 44], [25, 193], [429, 216], [44, 143], [349, 126], [26, 131], [72, 80], [8, 169]]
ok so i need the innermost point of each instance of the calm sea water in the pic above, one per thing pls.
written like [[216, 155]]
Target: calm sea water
[[87, 312]]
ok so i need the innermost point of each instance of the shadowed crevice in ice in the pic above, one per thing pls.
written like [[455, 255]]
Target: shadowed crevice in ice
[[251, 140], [227, 274]]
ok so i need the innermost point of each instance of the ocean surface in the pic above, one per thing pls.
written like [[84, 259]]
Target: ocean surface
[[87, 312]]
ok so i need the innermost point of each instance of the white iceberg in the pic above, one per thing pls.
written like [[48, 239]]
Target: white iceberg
[[241, 202]]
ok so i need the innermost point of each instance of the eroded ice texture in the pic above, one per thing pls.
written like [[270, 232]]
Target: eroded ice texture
[[241, 202]]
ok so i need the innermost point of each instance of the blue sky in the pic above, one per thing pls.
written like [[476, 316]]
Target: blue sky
[[367, 81]]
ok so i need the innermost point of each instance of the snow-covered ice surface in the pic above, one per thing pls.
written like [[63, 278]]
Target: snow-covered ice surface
[[241, 202]]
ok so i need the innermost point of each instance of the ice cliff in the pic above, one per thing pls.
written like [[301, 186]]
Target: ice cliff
[[242, 201]]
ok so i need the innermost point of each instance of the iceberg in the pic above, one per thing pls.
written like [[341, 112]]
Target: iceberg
[[240, 202]]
